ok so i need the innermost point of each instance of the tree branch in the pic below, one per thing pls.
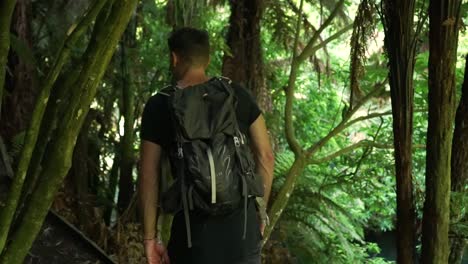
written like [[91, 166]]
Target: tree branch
[[288, 115], [331, 38], [309, 48], [307, 23], [367, 117], [307, 52], [343, 124], [362, 143], [375, 115]]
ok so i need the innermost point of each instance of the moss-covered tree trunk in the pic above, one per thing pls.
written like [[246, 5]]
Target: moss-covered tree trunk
[[56, 105], [6, 11], [8, 211], [245, 65], [444, 19], [126, 183], [459, 180], [106, 35], [400, 43]]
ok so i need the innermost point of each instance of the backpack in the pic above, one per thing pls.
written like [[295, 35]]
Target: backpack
[[212, 164]]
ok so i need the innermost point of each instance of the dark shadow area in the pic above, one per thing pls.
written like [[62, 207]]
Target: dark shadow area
[[59, 242], [386, 242]]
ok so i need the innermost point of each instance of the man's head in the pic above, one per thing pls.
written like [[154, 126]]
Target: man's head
[[190, 48]]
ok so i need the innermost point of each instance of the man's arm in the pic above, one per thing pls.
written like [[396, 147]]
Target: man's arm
[[148, 185], [264, 158]]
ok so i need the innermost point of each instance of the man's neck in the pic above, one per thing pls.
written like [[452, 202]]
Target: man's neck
[[193, 76]]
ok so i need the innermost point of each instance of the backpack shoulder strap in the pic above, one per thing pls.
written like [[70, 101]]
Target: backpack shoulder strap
[[227, 84], [166, 90], [225, 79]]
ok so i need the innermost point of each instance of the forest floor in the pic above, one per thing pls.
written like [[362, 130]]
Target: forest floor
[[59, 242]]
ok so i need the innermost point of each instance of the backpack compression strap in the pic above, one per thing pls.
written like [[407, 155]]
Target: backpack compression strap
[[186, 202], [238, 140]]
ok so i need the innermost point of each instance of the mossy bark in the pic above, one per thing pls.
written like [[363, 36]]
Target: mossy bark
[[56, 105], [444, 21], [6, 11], [96, 58], [283, 196], [459, 175], [400, 45], [7, 213], [126, 184]]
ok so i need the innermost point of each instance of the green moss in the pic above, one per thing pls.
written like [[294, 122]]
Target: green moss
[[55, 168]]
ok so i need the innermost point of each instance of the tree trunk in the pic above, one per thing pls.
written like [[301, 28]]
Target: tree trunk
[[460, 169], [282, 198], [112, 187], [6, 11], [96, 58], [400, 46], [57, 105], [23, 90], [5, 163], [444, 19], [126, 184], [7, 213], [245, 65], [79, 174], [183, 13]]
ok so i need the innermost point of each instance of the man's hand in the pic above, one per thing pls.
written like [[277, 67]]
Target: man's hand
[[264, 221], [262, 227], [155, 252], [262, 214]]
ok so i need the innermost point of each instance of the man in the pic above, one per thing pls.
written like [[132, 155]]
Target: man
[[216, 239]]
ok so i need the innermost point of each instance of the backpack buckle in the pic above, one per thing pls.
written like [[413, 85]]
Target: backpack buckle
[[237, 142], [180, 152]]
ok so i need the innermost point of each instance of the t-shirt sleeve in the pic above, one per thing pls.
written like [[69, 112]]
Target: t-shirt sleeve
[[247, 106], [152, 121]]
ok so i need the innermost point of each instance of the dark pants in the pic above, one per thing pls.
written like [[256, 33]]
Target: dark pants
[[217, 240], [255, 258]]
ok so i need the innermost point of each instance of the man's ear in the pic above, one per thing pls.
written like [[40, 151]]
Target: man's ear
[[175, 58]]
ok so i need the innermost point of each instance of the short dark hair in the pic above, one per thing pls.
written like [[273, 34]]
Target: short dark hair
[[191, 44]]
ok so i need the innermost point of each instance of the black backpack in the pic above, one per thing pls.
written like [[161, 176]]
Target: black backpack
[[211, 159]]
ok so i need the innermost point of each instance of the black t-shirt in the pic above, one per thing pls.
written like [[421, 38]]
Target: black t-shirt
[[156, 123], [214, 239]]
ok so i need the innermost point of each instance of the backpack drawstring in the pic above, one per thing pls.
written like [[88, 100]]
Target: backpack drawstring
[[187, 218], [183, 191], [237, 144], [245, 194]]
